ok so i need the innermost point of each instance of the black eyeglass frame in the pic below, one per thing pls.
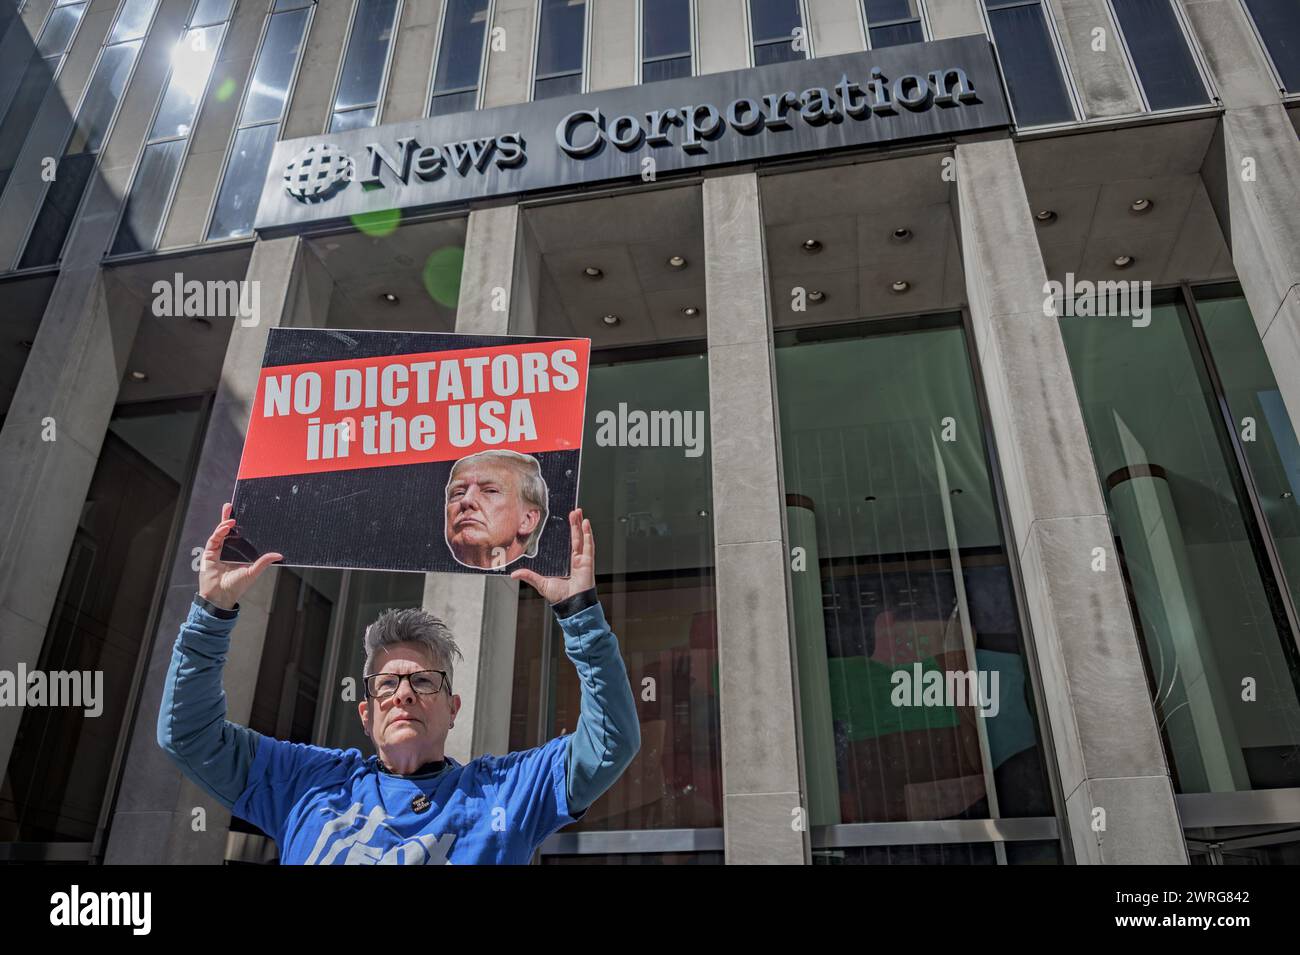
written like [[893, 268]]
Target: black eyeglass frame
[[444, 685]]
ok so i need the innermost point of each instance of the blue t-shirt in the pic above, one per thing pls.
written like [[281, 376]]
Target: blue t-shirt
[[334, 807]]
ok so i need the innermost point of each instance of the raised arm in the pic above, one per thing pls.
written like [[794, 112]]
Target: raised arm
[[608, 734], [192, 726]]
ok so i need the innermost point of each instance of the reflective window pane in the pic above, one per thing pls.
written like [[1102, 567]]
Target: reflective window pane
[[145, 205], [353, 119], [665, 27], [1255, 403], [1205, 605], [672, 69], [1160, 54], [882, 11], [58, 210], [103, 93], [460, 54], [59, 29], [780, 52], [453, 103], [210, 11], [133, 22], [908, 583], [363, 67], [773, 19], [191, 66], [242, 187], [1030, 66], [269, 86], [559, 38], [650, 512], [1278, 22], [896, 35], [22, 112], [558, 86]]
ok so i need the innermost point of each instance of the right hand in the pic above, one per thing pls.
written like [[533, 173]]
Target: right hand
[[221, 583]]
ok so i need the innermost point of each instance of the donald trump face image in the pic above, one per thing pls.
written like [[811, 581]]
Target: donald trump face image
[[496, 508]]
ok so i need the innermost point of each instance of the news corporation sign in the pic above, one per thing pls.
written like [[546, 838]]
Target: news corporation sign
[[653, 131]]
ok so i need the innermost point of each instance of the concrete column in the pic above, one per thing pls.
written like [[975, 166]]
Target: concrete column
[[949, 18], [1105, 82], [835, 27], [313, 93], [1250, 173], [509, 75], [762, 776], [410, 72], [614, 59], [481, 609], [1107, 747], [201, 173], [153, 818], [70, 383], [722, 28]]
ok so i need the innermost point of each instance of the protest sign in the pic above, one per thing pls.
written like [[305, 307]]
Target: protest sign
[[412, 451]]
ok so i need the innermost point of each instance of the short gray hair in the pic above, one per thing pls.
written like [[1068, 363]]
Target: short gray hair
[[412, 625], [532, 486]]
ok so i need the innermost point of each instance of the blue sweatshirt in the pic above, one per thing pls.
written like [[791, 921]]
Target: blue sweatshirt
[[330, 806]]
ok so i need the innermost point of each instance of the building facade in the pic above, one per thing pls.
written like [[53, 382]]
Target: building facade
[[1012, 396]]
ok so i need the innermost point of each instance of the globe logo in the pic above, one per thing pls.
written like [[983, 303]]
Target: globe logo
[[318, 173]]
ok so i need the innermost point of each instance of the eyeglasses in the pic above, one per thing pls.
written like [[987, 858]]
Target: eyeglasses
[[381, 686]]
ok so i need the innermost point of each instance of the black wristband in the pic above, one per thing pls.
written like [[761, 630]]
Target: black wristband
[[221, 613], [575, 604]]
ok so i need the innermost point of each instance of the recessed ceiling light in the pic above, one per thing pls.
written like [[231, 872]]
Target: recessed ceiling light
[[139, 376], [812, 246], [1044, 216], [593, 273], [1140, 206], [611, 319], [902, 235], [701, 513], [955, 490], [869, 498], [816, 296], [390, 298], [691, 311], [676, 262], [1124, 261], [901, 286]]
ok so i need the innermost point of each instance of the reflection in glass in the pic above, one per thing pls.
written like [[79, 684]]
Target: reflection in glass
[[560, 48], [460, 56], [269, 87], [893, 22], [242, 186], [1029, 64], [133, 20], [1160, 54], [144, 207], [1205, 604], [192, 62], [1278, 22], [650, 512], [666, 39], [890, 503]]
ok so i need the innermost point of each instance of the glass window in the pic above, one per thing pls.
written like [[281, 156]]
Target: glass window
[[1267, 436], [363, 65], [58, 209], [560, 38], [269, 87], [192, 62], [665, 39], [133, 20], [650, 510], [1205, 604], [210, 11], [62, 761], [893, 22], [143, 214], [1029, 64], [242, 186], [1161, 57], [460, 56], [1278, 22], [905, 582], [59, 29], [103, 93], [774, 23], [268, 90]]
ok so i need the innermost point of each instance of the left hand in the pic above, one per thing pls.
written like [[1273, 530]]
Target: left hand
[[582, 565]]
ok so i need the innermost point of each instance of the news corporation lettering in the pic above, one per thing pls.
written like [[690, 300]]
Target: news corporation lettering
[[323, 170]]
